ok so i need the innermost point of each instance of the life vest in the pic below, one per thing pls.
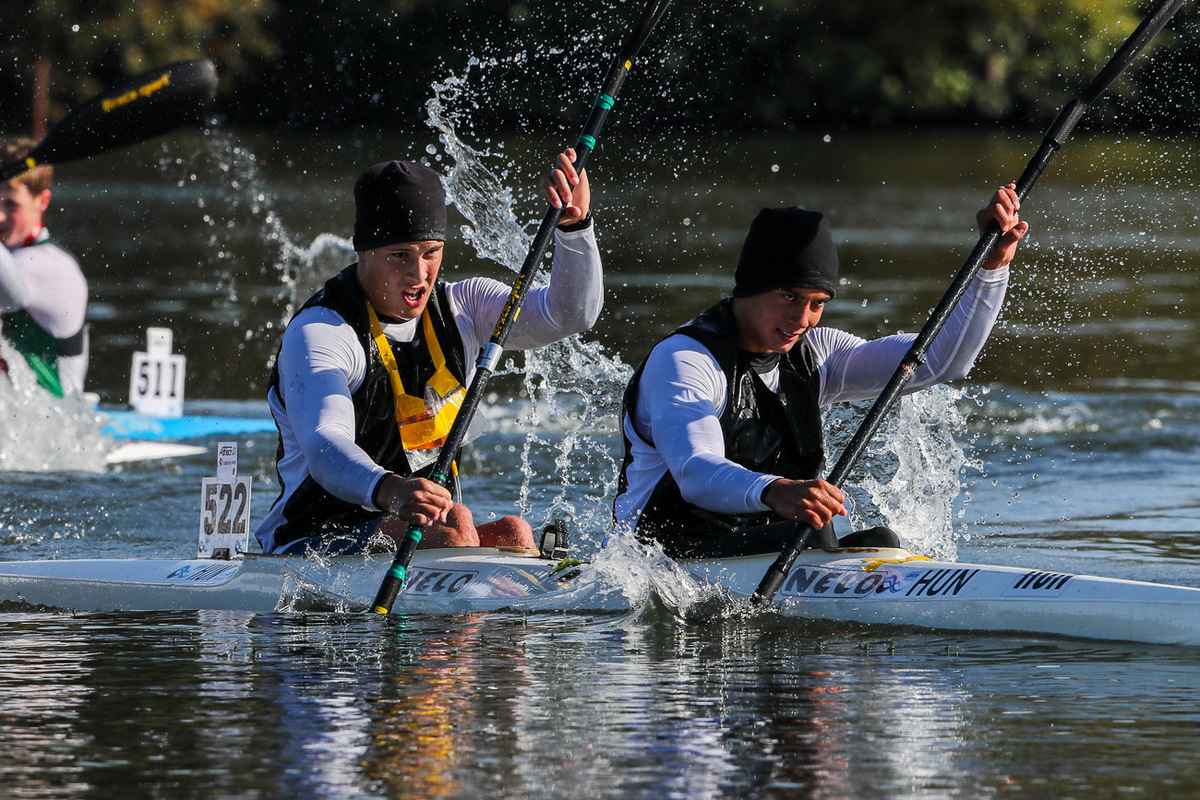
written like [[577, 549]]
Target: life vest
[[778, 433], [403, 410], [40, 348]]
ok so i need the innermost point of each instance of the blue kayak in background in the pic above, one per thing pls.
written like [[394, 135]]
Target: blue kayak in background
[[142, 427]]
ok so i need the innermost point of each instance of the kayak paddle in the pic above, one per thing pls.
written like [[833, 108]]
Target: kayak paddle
[[138, 109], [489, 354], [1054, 139]]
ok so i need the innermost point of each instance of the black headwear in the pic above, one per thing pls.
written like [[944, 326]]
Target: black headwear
[[398, 201], [787, 248]]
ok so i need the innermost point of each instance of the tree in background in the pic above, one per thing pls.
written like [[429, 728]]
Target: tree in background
[[91, 44], [719, 64], [876, 62], [1163, 92]]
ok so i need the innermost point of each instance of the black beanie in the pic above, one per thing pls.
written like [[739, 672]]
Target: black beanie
[[398, 201], [787, 248]]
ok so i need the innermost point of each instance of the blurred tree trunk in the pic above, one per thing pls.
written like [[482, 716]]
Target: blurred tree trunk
[[41, 97]]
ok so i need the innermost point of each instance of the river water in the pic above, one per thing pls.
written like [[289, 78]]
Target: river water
[[1073, 446]]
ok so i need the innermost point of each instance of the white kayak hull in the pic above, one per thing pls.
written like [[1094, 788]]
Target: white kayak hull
[[152, 451], [862, 585], [440, 581], [893, 586]]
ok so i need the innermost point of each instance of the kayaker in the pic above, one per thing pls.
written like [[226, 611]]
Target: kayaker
[[722, 421], [43, 294], [350, 457]]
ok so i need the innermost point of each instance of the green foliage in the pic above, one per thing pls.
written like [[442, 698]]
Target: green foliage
[[713, 64], [92, 44], [878, 62]]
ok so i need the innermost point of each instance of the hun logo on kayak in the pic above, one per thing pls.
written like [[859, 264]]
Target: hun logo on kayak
[[817, 582]]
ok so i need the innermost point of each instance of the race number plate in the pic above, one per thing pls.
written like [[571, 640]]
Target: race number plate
[[224, 508], [156, 378]]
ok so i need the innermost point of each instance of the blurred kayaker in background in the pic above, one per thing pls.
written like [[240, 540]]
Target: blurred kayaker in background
[[43, 294]]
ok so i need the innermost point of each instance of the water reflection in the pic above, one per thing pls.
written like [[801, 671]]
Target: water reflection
[[332, 705]]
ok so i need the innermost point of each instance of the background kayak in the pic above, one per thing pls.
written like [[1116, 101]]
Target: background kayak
[[137, 426]]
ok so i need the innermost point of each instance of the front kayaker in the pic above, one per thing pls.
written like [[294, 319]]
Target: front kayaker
[[722, 422], [43, 294], [351, 456]]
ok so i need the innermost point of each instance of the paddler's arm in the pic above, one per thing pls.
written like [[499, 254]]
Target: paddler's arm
[[55, 293], [321, 364], [571, 302], [853, 368], [682, 396], [676, 427], [1003, 208]]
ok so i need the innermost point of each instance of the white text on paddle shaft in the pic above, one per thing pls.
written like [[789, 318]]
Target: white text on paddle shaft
[[437, 581], [927, 583]]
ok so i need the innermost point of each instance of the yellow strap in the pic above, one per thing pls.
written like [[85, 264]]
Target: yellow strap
[[443, 381], [385, 352], [419, 428]]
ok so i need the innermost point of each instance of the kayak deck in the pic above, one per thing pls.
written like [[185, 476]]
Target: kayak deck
[[894, 586], [862, 585], [440, 581]]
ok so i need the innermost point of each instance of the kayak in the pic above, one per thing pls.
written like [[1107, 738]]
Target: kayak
[[878, 586], [143, 437], [132, 451], [143, 427], [897, 587], [446, 580]]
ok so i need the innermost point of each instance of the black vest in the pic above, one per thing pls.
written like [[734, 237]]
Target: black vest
[[311, 509], [776, 433]]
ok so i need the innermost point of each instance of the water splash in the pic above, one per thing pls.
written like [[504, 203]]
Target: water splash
[[912, 475], [310, 266], [40, 433], [244, 226], [570, 379]]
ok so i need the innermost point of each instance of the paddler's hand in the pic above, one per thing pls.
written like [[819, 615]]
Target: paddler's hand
[[1003, 209], [567, 189], [814, 502], [416, 501]]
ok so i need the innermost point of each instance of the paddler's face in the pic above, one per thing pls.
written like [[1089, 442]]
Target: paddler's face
[[20, 213], [774, 321], [398, 278]]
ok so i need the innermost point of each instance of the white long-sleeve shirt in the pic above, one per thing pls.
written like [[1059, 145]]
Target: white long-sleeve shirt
[[683, 390], [322, 363], [45, 281]]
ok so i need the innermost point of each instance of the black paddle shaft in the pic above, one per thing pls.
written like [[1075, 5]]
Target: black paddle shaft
[[138, 109], [489, 354], [1054, 139]]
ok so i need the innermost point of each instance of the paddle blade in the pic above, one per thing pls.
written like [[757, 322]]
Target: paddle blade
[[139, 109]]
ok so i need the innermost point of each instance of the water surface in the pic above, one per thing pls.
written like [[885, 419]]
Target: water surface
[[1073, 446]]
